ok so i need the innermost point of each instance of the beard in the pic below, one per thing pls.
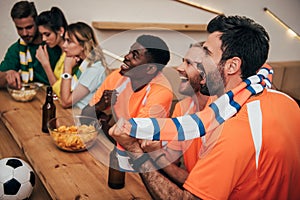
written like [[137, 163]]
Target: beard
[[215, 82], [32, 39], [204, 90], [28, 39], [191, 86], [185, 88]]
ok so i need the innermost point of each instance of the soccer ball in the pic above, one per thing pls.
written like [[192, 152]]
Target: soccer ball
[[16, 179]]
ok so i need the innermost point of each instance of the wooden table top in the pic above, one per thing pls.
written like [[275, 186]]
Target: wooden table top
[[65, 175], [9, 148]]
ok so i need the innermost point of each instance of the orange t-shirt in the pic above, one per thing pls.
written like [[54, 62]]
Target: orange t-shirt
[[257, 153], [190, 148], [154, 100]]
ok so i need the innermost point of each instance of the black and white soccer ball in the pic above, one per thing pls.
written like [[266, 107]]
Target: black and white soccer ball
[[17, 179]]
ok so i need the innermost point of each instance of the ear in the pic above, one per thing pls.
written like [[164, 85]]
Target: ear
[[151, 69], [61, 31], [233, 65]]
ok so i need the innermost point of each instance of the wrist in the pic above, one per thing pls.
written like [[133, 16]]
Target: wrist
[[134, 149], [137, 162], [66, 76], [159, 157], [68, 70]]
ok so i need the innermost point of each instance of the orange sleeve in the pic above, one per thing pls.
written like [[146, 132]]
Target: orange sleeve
[[109, 83]]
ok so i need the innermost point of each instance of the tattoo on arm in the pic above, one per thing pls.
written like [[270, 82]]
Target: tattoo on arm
[[160, 187], [170, 166]]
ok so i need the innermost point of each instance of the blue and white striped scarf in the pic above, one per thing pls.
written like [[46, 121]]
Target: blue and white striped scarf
[[197, 125]]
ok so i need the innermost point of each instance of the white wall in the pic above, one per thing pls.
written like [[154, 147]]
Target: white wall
[[283, 47]]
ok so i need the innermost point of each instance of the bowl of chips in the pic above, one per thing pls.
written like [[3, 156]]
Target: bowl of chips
[[26, 93], [74, 133]]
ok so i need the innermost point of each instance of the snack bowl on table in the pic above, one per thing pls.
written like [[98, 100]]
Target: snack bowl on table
[[26, 93], [74, 133]]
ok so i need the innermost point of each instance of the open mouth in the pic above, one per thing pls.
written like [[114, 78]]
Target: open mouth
[[124, 67], [183, 78]]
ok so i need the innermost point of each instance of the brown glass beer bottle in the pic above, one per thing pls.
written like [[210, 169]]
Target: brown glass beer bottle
[[116, 178], [48, 109]]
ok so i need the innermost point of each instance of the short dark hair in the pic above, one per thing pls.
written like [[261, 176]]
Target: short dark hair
[[23, 9], [52, 19], [157, 49], [243, 38]]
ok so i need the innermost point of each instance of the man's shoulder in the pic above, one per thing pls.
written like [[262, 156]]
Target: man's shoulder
[[14, 46], [278, 94], [280, 100], [115, 73], [274, 97], [113, 80], [114, 76], [11, 58], [182, 106], [185, 100]]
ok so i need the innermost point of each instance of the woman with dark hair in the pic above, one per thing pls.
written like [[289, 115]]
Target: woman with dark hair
[[52, 25]]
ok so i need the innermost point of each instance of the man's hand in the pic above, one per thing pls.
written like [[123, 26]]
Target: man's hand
[[120, 132], [69, 63], [150, 146], [108, 98], [13, 78]]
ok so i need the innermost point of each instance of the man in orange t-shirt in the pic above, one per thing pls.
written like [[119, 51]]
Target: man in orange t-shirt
[[248, 161], [191, 74], [256, 152], [152, 100], [138, 89], [190, 148]]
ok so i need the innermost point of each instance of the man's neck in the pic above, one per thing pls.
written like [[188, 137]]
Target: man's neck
[[201, 100], [37, 40], [137, 85], [232, 82]]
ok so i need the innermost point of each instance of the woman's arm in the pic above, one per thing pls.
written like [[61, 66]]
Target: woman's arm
[[65, 87], [43, 57]]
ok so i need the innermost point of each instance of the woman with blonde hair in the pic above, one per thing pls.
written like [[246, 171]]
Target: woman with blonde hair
[[83, 53]]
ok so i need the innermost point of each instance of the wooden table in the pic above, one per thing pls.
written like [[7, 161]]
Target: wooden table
[[65, 175], [9, 148]]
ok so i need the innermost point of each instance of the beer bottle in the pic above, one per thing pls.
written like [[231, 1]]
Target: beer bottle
[[116, 178], [48, 110]]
